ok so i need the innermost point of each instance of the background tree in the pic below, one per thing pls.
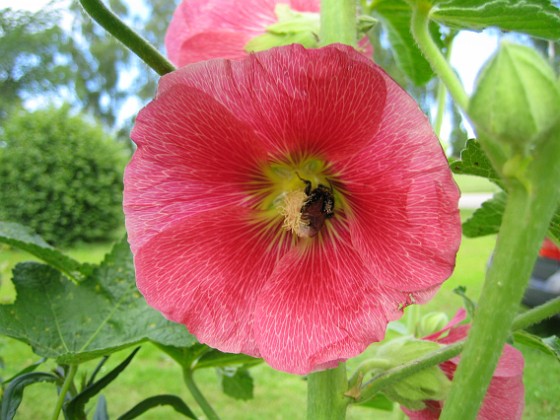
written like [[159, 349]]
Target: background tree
[[31, 63], [61, 175]]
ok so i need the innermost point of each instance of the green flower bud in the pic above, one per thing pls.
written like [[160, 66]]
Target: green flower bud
[[291, 28], [517, 98], [430, 323], [428, 384]]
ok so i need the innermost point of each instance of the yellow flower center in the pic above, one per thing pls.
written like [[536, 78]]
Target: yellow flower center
[[299, 195]]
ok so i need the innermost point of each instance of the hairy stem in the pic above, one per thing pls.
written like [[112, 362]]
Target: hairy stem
[[138, 45], [533, 197], [378, 382], [325, 394]]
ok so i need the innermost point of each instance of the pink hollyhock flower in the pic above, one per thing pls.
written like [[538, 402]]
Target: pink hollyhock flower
[[288, 205], [505, 398], [205, 29]]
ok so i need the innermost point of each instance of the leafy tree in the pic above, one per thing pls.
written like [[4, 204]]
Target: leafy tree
[[107, 73], [30, 65], [61, 176], [83, 63]]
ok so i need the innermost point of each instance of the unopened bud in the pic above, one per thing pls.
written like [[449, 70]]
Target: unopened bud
[[517, 98], [431, 323]]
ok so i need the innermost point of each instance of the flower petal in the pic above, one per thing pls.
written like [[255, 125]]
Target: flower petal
[[327, 102], [404, 200], [182, 138], [206, 272], [321, 306]]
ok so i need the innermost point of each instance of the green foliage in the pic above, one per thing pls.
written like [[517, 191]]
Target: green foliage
[[488, 218], [549, 345], [237, 383], [74, 323], [395, 17], [14, 392], [19, 236], [171, 400], [474, 161], [29, 46], [538, 18], [61, 176]]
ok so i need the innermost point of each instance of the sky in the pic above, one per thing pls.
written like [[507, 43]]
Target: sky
[[470, 50]]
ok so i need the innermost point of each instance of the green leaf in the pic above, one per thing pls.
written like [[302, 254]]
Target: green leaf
[[77, 405], [172, 400], [487, 219], [395, 16], [74, 323], [474, 161], [379, 402], [23, 238], [14, 392], [27, 369], [236, 383], [470, 306], [538, 18], [101, 412], [215, 358], [549, 345], [554, 229]]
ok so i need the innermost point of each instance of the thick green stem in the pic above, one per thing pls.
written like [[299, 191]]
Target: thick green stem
[[338, 22], [68, 380], [325, 394], [378, 382], [197, 395], [421, 33], [116, 27], [532, 200]]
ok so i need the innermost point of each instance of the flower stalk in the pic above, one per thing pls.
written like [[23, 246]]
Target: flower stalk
[[338, 22], [421, 33], [325, 398], [197, 395], [533, 198], [137, 44]]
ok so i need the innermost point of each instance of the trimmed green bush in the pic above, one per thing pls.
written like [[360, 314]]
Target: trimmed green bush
[[61, 176]]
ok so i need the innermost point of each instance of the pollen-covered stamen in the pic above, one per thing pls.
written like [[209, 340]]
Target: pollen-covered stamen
[[290, 209]]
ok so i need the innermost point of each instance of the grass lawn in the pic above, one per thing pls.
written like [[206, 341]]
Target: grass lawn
[[277, 395]]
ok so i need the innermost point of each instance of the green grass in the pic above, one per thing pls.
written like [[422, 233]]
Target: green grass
[[277, 395]]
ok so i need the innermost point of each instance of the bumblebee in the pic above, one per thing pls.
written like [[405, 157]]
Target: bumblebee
[[318, 207]]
